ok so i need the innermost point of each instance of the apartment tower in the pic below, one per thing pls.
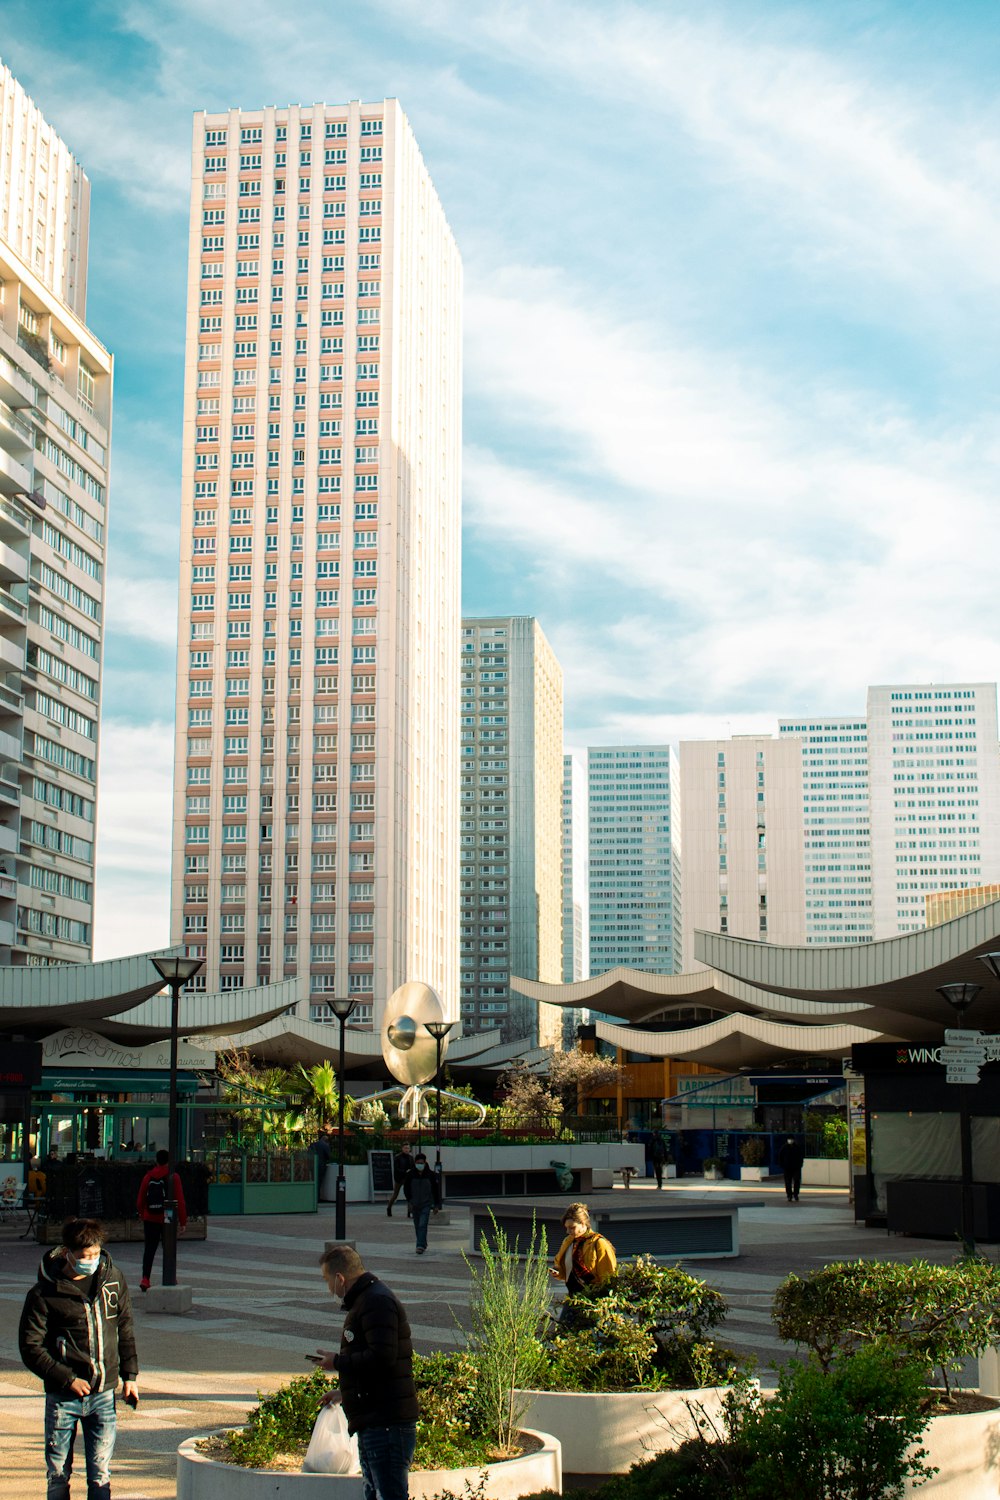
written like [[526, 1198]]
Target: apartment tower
[[512, 776], [741, 831], [316, 787], [635, 858], [575, 896], [55, 423]]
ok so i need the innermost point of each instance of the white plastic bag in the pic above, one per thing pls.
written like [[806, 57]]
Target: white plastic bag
[[331, 1448]]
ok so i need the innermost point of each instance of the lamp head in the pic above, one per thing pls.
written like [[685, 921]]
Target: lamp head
[[176, 968], [959, 996], [342, 1009]]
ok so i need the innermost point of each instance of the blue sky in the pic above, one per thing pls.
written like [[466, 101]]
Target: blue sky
[[732, 306]]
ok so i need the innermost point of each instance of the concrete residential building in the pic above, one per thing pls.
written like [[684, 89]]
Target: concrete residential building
[[898, 805], [316, 783], [512, 772], [634, 858], [836, 819], [55, 422], [575, 894], [742, 836]]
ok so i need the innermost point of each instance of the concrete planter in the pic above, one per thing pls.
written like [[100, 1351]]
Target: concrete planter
[[965, 1449], [821, 1172], [608, 1432], [201, 1478], [753, 1174], [712, 1174]]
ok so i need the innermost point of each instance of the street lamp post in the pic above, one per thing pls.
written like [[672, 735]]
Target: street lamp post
[[438, 1030], [960, 996], [175, 971], [342, 1009]]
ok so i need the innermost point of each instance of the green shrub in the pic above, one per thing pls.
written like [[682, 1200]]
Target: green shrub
[[713, 1164], [446, 1433], [649, 1330], [508, 1309], [936, 1316], [752, 1152], [282, 1423]]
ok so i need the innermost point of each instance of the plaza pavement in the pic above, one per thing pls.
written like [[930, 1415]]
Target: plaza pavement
[[261, 1305]]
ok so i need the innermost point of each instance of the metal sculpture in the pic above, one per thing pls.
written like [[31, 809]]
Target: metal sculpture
[[411, 1054]]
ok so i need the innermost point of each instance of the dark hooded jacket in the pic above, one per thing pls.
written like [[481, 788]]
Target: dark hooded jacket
[[67, 1333], [375, 1362]]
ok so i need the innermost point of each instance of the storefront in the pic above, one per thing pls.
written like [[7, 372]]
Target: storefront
[[908, 1178], [106, 1099], [20, 1073]]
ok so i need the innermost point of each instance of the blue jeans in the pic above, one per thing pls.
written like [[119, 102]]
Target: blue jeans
[[96, 1415], [421, 1219], [385, 1454]]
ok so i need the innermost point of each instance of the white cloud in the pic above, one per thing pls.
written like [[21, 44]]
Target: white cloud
[[748, 542], [132, 905], [144, 608]]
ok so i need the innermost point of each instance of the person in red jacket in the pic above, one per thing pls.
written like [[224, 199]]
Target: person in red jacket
[[151, 1203]]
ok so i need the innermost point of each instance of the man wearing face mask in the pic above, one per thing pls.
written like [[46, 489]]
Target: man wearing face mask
[[423, 1194], [375, 1367], [76, 1335]]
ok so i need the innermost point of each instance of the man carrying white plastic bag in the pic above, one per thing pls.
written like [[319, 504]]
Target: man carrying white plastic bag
[[375, 1368], [332, 1449]]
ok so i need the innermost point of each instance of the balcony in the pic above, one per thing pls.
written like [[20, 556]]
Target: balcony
[[11, 654], [10, 747], [14, 477], [13, 567], [15, 523], [11, 703], [8, 839], [11, 608], [15, 389], [15, 433]]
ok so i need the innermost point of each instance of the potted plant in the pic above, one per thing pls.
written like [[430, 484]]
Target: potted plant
[[752, 1156], [471, 1437], [622, 1372], [848, 1433], [713, 1169], [928, 1315]]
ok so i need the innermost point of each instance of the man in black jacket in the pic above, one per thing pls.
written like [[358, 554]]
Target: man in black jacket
[[76, 1335], [790, 1159], [423, 1194], [375, 1366]]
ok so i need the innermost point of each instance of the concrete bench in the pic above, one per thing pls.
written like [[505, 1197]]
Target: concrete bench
[[681, 1226]]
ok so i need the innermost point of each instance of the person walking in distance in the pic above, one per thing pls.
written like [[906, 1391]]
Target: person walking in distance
[[790, 1159], [375, 1369], [423, 1194], [658, 1155], [154, 1191], [402, 1165], [76, 1335]]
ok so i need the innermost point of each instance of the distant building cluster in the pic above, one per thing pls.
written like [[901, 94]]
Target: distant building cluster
[[368, 787]]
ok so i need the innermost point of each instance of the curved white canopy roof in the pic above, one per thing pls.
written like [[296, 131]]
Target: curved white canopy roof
[[735, 1042]]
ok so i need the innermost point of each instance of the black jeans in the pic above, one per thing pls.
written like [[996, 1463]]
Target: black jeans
[[385, 1455], [793, 1182], [153, 1234]]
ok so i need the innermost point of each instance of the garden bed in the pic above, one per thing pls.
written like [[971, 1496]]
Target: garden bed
[[201, 1476], [608, 1432], [964, 1446]]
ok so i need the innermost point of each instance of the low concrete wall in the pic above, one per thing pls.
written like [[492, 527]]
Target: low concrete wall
[[966, 1451], [820, 1172], [607, 1433], [357, 1182], [201, 1478]]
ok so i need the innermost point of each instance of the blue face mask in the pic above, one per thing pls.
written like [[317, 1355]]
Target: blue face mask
[[88, 1266]]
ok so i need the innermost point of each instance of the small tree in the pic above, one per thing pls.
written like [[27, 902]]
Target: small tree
[[525, 1097], [936, 1316], [508, 1310], [577, 1072]]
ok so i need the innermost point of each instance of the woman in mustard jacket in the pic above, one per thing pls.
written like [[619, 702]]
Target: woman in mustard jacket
[[585, 1260]]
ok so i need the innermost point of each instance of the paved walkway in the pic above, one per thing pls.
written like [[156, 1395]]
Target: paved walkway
[[261, 1305]]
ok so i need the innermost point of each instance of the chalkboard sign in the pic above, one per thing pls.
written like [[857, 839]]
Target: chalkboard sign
[[90, 1198], [380, 1173]]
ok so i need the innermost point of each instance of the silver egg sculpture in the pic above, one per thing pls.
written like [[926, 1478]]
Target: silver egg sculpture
[[408, 1048]]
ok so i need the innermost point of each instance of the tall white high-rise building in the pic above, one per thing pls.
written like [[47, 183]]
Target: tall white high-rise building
[[575, 893], [316, 791], [512, 770], [634, 858], [55, 424], [836, 828], [934, 788], [742, 836]]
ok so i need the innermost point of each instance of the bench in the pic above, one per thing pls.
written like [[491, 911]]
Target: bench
[[683, 1226]]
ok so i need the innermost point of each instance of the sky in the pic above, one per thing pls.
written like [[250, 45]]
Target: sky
[[732, 301]]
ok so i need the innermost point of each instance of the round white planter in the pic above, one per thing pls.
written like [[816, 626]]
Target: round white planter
[[202, 1478], [608, 1432], [966, 1451]]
